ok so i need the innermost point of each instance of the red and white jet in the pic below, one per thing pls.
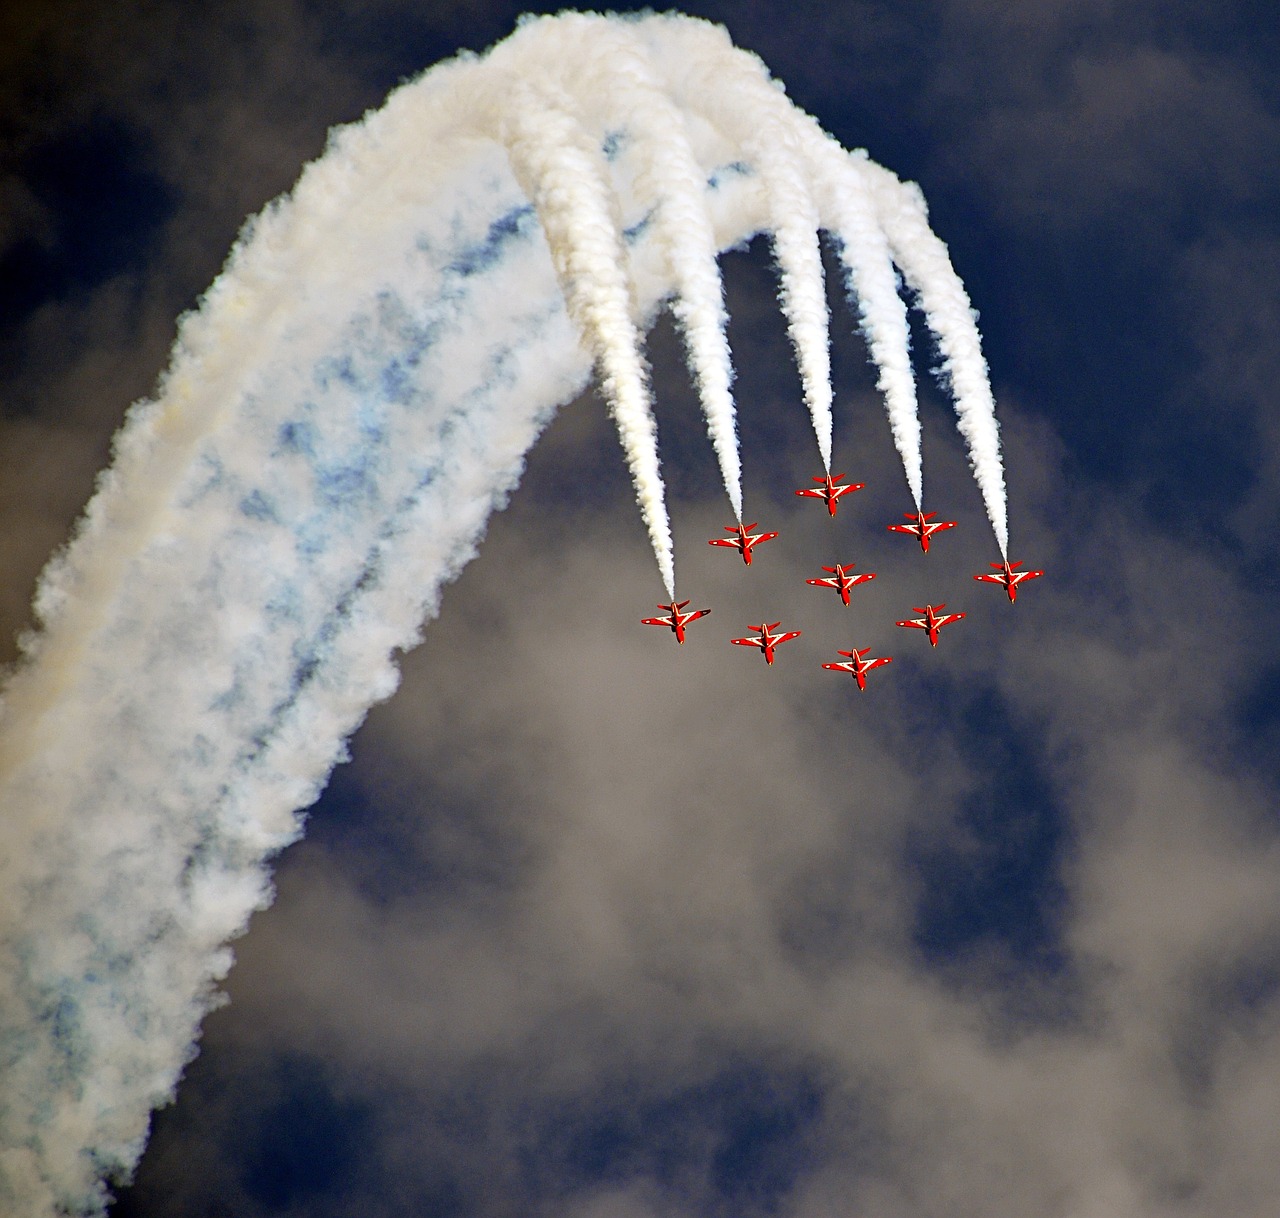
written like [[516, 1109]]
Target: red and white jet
[[743, 541], [676, 620], [841, 580], [920, 527], [831, 490], [933, 621], [1008, 577], [857, 666], [767, 640]]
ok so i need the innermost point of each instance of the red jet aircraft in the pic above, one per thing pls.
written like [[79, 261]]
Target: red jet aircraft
[[743, 541], [1009, 578], [841, 580], [933, 621], [857, 666], [767, 640], [831, 490], [676, 620], [921, 528]]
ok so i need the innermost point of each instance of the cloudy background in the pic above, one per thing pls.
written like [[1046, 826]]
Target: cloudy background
[[594, 925]]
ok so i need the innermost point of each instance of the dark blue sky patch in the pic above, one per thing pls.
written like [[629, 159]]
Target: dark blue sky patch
[[308, 1139], [735, 169], [1257, 722], [632, 234], [106, 208], [737, 1141], [288, 1140], [474, 260], [614, 142], [995, 880], [1260, 707], [440, 844]]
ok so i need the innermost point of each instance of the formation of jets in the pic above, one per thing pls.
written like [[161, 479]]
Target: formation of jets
[[841, 578]]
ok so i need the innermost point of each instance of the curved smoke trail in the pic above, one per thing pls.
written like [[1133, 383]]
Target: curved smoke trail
[[353, 398]]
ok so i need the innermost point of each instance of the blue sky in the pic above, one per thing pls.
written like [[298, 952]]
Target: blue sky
[[594, 925]]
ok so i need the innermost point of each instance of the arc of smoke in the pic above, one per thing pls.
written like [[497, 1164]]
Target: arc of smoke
[[352, 399]]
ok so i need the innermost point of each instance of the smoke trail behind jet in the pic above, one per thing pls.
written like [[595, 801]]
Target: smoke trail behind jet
[[926, 266], [353, 398]]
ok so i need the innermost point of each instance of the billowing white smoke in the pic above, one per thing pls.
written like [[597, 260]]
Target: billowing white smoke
[[353, 398]]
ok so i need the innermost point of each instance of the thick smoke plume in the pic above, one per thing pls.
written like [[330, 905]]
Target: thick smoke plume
[[352, 399]]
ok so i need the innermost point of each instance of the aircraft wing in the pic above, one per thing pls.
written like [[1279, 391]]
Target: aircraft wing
[[655, 621], [917, 622], [748, 642], [732, 542], [947, 618], [783, 638], [759, 537]]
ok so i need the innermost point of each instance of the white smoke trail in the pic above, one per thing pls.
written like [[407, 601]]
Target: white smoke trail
[[563, 172], [670, 186], [927, 268], [353, 398], [723, 83], [848, 213], [877, 218], [864, 251]]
